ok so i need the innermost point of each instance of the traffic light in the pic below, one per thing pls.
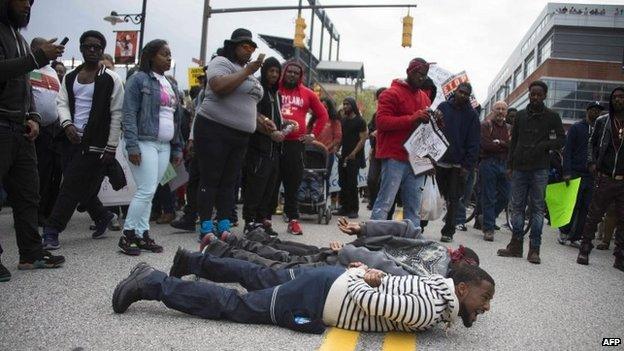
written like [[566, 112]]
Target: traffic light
[[300, 27], [408, 21]]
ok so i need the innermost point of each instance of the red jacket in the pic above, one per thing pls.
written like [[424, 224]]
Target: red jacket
[[398, 111], [295, 105]]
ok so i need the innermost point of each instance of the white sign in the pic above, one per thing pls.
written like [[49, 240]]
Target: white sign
[[334, 185], [426, 141]]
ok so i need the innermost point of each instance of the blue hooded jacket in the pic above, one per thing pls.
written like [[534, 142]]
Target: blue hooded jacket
[[463, 132]]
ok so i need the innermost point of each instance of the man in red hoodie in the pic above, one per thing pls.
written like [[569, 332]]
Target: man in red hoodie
[[401, 108], [296, 100]]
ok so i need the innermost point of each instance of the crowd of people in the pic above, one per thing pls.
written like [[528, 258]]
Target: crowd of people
[[60, 132]]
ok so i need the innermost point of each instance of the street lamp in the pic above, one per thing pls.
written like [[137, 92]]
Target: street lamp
[[136, 18]]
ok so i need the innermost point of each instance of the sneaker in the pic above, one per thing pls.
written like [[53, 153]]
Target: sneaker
[[128, 243], [45, 260], [602, 246], [562, 238], [268, 228], [206, 227], [50, 239], [251, 226], [496, 227], [128, 290], [179, 267], [206, 240], [101, 226], [353, 215], [294, 227], [461, 227], [114, 225], [148, 244], [488, 235], [446, 239], [5, 275], [186, 223]]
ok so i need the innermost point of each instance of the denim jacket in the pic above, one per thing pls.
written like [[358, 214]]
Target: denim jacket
[[141, 108]]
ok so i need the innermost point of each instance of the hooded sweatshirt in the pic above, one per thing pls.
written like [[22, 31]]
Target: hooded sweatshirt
[[269, 106], [396, 119], [295, 105], [16, 60], [605, 149]]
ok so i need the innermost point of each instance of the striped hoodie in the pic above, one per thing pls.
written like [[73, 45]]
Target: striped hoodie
[[404, 303]]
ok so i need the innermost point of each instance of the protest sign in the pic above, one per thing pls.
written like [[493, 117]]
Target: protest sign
[[561, 199]]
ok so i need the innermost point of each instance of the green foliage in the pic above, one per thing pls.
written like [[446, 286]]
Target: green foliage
[[365, 101]]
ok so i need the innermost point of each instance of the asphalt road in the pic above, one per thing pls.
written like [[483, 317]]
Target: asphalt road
[[556, 305]]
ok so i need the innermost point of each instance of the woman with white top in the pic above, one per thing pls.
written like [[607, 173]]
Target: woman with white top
[[151, 114]]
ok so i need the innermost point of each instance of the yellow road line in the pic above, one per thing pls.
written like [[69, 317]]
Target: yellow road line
[[399, 342], [339, 339]]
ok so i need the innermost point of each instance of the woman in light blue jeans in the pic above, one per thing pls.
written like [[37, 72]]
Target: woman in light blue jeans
[[150, 119]]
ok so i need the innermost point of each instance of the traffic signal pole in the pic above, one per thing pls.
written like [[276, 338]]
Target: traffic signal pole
[[209, 11]]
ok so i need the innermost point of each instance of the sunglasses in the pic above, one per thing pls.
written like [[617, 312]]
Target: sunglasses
[[94, 47], [248, 47]]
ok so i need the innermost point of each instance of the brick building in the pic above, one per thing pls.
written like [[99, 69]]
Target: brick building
[[577, 49]]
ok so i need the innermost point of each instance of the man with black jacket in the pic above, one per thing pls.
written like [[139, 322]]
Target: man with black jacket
[[536, 130], [606, 162], [261, 169], [19, 127], [89, 106], [575, 166]]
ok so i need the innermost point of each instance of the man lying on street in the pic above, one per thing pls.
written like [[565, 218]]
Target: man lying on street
[[383, 245], [308, 300]]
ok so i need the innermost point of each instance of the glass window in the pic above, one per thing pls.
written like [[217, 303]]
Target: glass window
[[508, 87], [589, 86], [544, 50], [564, 104], [529, 65], [517, 77]]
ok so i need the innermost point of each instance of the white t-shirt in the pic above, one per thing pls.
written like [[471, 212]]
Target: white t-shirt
[[168, 103], [83, 95], [45, 86]]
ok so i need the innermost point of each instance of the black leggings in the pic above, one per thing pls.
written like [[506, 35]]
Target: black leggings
[[220, 152]]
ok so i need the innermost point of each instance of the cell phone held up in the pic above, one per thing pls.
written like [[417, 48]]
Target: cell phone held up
[[64, 41]]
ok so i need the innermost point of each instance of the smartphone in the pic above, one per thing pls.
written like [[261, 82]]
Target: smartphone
[[64, 41], [260, 57]]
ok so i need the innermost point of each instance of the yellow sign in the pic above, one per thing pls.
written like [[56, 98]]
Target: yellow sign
[[193, 76]]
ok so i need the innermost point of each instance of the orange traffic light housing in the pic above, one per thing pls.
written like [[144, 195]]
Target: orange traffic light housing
[[300, 27], [408, 22]]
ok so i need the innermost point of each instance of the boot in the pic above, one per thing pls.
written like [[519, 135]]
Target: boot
[[583, 256], [513, 249], [133, 288], [619, 263], [533, 255]]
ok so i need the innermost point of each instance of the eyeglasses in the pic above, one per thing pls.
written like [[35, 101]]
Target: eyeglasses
[[248, 47], [93, 47]]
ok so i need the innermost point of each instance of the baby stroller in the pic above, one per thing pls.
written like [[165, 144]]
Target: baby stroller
[[312, 194]]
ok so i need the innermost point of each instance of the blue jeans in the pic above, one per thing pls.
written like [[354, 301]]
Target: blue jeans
[[471, 179], [147, 176], [273, 297], [397, 175], [525, 186], [494, 190]]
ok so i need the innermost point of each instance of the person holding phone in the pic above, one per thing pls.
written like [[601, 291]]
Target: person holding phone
[[225, 120]]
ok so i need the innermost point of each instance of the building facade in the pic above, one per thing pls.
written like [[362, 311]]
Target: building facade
[[577, 49]]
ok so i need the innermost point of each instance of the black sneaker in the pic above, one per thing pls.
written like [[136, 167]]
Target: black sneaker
[[179, 268], [45, 260], [101, 226], [128, 290], [268, 228], [186, 223], [446, 239], [128, 243], [5, 275], [148, 244]]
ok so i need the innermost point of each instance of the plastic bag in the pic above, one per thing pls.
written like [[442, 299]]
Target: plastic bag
[[432, 206]]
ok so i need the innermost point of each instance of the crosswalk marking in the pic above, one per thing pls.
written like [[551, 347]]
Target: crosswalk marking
[[399, 342], [340, 339]]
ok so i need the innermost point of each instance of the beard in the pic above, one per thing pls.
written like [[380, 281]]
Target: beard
[[290, 85], [18, 20], [465, 316]]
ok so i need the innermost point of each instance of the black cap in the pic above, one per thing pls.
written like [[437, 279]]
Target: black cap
[[241, 35], [595, 104]]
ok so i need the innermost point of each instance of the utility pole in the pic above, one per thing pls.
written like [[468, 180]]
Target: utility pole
[[204, 33]]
